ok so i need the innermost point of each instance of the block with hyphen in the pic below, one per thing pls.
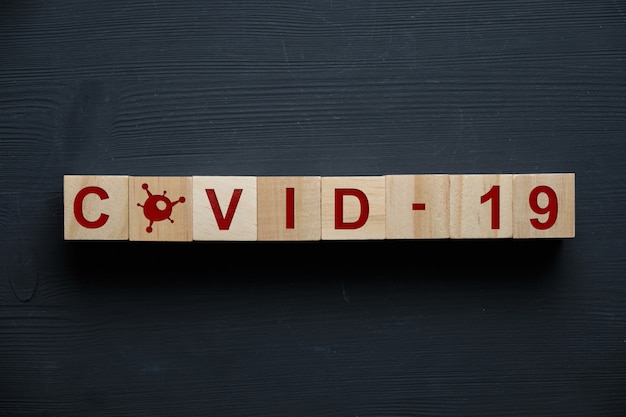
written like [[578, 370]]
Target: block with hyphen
[[225, 208], [353, 207], [418, 206], [543, 206], [481, 206], [95, 207], [160, 208], [288, 208]]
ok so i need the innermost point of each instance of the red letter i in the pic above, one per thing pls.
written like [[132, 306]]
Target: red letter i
[[290, 223]]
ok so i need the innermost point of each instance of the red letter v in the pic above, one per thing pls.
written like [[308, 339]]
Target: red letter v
[[223, 222]]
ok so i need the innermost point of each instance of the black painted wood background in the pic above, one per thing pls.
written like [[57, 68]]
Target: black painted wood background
[[382, 328]]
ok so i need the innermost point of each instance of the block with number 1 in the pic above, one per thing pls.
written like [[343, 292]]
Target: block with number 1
[[481, 206]]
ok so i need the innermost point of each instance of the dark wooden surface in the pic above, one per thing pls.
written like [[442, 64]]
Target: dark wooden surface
[[416, 328]]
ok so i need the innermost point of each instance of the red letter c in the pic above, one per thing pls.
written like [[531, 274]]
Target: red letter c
[[78, 207]]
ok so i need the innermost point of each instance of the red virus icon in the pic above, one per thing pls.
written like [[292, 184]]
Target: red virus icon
[[157, 207]]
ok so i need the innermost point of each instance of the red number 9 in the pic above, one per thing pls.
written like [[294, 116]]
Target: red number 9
[[551, 209]]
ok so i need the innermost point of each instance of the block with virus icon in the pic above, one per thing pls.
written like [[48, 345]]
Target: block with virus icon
[[160, 208], [244, 208]]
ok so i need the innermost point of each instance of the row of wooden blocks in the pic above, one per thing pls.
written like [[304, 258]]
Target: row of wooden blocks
[[246, 208]]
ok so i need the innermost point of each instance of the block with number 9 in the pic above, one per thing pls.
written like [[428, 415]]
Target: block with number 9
[[543, 206]]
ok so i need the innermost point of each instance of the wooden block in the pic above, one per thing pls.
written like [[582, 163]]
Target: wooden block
[[481, 206], [543, 206], [418, 206], [225, 208], [160, 209], [289, 208], [353, 208], [96, 207]]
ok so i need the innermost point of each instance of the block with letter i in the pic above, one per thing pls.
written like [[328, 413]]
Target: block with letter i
[[418, 206], [353, 208], [225, 208], [543, 206], [95, 207], [289, 208], [160, 209], [481, 206]]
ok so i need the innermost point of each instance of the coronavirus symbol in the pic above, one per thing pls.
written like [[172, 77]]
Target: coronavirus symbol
[[157, 207]]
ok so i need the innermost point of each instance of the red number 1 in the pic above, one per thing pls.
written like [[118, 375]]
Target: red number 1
[[494, 195]]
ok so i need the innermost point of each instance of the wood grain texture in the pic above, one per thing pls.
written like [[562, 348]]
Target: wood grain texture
[[431, 220], [329, 328], [544, 206], [224, 208], [160, 209], [353, 207], [95, 207], [481, 206], [289, 208]]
